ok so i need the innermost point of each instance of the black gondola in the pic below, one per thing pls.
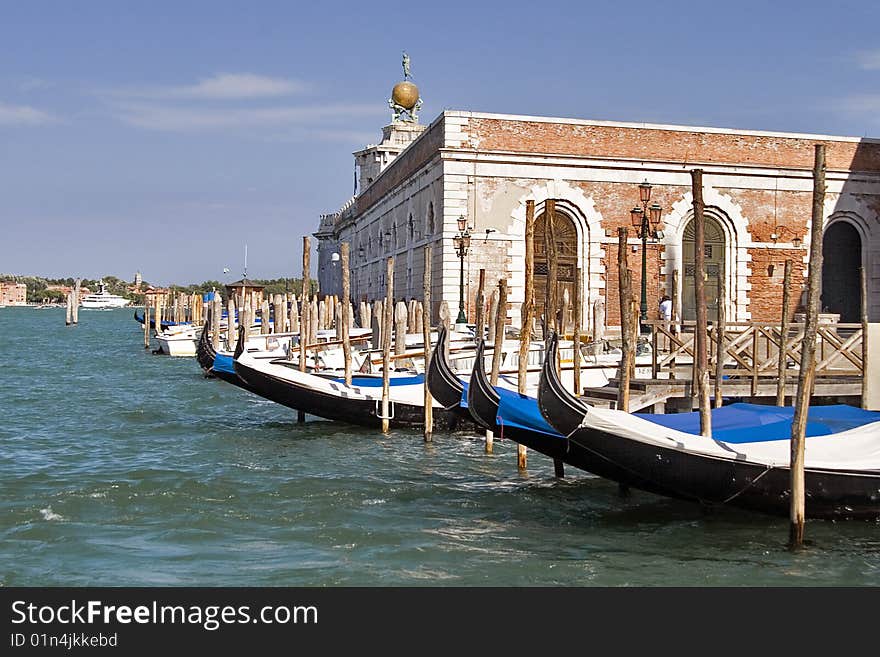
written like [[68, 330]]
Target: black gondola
[[443, 383], [482, 398], [751, 474], [205, 353], [165, 324], [335, 401], [484, 403]]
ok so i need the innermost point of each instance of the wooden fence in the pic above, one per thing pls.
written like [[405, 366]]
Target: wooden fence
[[751, 350]]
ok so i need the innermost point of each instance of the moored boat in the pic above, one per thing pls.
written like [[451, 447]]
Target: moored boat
[[179, 340], [328, 397], [746, 461]]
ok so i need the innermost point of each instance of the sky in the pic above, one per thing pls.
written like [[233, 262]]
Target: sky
[[163, 137]]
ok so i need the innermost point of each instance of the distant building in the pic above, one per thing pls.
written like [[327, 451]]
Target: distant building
[[245, 290], [138, 279], [13, 294]]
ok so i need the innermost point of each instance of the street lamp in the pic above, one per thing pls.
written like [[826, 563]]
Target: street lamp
[[646, 220], [462, 243]]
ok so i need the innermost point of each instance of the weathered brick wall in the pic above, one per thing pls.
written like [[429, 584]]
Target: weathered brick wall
[[767, 288], [767, 210], [678, 145]]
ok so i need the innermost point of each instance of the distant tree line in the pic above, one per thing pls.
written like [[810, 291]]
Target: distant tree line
[[37, 287]]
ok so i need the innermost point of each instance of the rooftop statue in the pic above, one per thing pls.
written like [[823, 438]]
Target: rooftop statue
[[405, 100]]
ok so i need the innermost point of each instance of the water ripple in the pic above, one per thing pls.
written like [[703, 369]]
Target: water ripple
[[119, 467]]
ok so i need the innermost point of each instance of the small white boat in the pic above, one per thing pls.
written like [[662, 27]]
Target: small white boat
[[179, 340], [102, 299]]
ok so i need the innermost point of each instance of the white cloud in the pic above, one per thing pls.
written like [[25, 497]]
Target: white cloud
[[869, 60], [23, 115], [155, 116], [859, 104], [223, 86]]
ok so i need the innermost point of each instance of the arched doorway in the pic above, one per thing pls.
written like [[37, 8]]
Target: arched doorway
[[714, 244], [841, 271], [566, 259]]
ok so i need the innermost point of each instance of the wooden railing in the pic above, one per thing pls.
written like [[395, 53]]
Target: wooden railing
[[751, 350]]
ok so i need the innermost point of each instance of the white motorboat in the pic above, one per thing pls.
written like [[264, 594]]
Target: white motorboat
[[102, 299], [179, 340]]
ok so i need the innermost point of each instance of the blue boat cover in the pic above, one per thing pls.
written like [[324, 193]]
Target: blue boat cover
[[521, 412], [223, 363], [376, 382], [464, 403], [736, 423], [750, 423]]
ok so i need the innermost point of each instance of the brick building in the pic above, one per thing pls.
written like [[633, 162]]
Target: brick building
[[13, 294], [416, 183]]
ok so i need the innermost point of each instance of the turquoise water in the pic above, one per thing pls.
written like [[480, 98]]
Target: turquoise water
[[119, 467]]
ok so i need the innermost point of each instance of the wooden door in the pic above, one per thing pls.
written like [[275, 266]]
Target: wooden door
[[566, 261], [714, 250]]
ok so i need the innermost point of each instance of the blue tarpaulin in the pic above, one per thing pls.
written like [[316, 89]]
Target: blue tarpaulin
[[521, 411], [223, 363], [376, 381], [736, 423], [749, 423]]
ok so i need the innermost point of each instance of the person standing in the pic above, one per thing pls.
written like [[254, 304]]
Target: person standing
[[666, 308], [666, 313]]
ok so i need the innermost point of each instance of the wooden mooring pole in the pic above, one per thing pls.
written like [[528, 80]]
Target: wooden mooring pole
[[426, 338], [551, 302], [386, 343], [782, 365], [344, 253], [216, 312], [627, 349], [701, 341], [864, 318], [807, 371], [498, 342], [525, 334], [76, 297], [676, 314], [720, 327], [231, 330], [146, 324], [576, 331], [401, 316], [480, 315], [558, 465], [304, 311]]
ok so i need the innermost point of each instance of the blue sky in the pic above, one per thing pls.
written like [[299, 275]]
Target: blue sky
[[164, 136]]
